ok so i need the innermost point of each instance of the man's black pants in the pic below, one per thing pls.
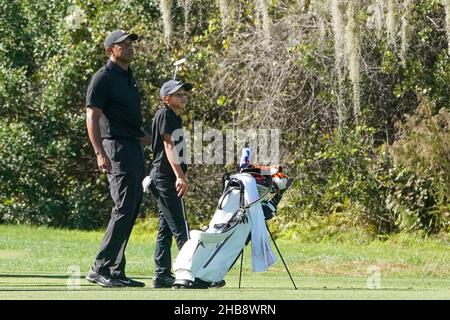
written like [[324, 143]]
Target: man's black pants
[[170, 221], [125, 185]]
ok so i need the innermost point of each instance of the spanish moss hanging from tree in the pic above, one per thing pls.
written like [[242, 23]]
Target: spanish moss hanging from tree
[[166, 8], [352, 51]]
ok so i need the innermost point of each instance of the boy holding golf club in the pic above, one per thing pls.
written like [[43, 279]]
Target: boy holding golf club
[[169, 182]]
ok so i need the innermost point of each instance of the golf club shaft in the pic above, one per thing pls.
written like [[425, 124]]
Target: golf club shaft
[[175, 69], [185, 218]]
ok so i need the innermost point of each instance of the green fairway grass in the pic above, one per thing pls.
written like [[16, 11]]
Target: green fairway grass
[[42, 263]]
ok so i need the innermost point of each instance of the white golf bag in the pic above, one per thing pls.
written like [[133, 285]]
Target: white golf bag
[[248, 199]]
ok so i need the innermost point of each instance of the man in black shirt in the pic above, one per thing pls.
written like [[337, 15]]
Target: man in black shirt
[[114, 127], [169, 181]]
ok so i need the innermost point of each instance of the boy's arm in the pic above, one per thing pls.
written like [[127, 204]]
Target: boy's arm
[[181, 183]]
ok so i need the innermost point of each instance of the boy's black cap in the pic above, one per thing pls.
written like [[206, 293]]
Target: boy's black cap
[[173, 86], [117, 36]]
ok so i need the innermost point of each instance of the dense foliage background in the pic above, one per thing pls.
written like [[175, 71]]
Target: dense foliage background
[[358, 89]]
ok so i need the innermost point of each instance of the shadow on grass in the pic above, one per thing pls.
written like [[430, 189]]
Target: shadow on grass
[[26, 285], [45, 276], [57, 290], [53, 276]]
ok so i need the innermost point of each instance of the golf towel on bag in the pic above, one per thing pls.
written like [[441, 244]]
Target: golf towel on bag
[[209, 254], [262, 254]]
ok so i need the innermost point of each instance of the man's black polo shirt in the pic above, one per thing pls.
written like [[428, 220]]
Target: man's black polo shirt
[[115, 91], [167, 121]]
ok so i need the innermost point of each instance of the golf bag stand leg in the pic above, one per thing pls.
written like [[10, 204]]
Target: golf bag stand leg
[[240, 268], [279, 252]]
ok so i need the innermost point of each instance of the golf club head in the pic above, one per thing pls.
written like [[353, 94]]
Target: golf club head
[[181, 61]]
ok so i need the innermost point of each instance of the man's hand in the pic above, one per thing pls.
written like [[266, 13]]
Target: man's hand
[[104, 164], [181, 185], [93, 115]]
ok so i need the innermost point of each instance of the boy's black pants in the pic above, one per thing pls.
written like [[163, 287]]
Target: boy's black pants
[[170, 220]]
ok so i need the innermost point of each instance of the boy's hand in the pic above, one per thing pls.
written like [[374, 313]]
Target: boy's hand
[[181, 185], [146, 140]]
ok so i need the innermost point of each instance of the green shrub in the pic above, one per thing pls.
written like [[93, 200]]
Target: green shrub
[[352, 178], [423, 150], [340, 171]]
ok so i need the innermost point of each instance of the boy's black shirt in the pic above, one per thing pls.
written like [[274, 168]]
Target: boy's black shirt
[[167, 121]]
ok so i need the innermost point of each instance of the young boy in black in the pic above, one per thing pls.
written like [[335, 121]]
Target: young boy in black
[[168, 176]]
